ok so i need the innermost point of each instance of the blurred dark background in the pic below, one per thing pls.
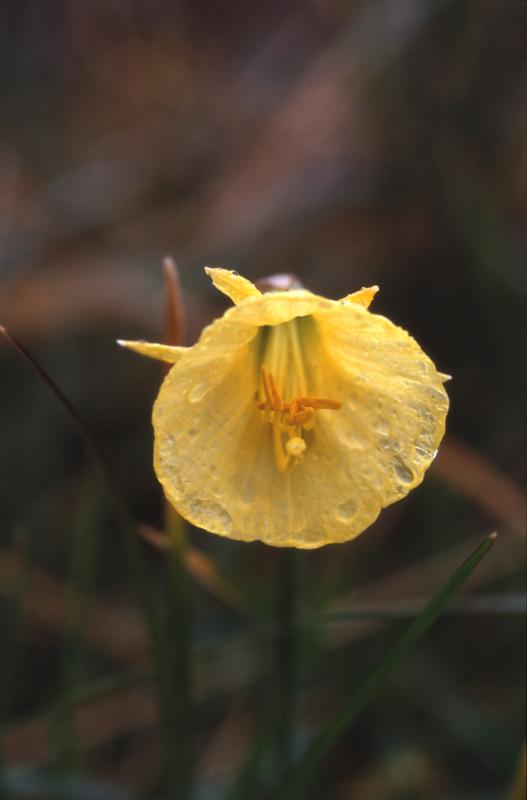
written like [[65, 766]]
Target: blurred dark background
[[349, 143]]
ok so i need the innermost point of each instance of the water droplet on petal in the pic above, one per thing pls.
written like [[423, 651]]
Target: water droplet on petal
[[198, 391], [404, 474], [347, 510], [211, 514], [382, 426]]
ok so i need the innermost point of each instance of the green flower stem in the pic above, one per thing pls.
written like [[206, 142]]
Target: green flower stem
[[178, 661], [287, 659], [82, 581]]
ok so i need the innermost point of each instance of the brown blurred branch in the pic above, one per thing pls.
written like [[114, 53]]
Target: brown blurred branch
[[174, 305], [116, 631], [471, 474]]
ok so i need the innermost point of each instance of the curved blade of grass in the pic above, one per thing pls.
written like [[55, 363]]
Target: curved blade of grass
[[125, 523], [97, 455], [314, 756], [100, 463]]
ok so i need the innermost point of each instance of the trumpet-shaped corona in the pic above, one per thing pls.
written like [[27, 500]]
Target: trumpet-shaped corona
[[294, 419]]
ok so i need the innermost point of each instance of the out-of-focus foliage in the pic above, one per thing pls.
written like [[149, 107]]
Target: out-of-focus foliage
[[350, 143]]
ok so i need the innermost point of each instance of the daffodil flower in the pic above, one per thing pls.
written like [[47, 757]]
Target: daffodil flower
[[294, 419]]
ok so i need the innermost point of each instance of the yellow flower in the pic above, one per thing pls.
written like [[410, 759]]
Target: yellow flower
[[294, 419]]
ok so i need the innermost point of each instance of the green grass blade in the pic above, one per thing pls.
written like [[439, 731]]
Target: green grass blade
[[139, 568], [315, 754], [175, 661], [86, 535], [100, 462], [286, 637]]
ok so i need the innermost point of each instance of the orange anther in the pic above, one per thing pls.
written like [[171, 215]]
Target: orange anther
[[293, 408], [301, 417], [323, 402], [288, 419], [265, 382], [318, 402], [277, 402]]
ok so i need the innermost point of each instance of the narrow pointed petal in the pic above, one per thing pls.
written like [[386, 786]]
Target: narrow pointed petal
[[363, 297], [161, 352], [233, 285]]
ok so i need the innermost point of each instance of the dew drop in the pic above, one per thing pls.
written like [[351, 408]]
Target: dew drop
[[198, 391], [436, 395], [382, 426], [404, 474], [212, 514], [346, 510]]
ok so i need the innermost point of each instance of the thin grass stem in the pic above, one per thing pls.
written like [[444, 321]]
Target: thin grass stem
[[287, 660], [83, 560], [125, 524], [306, 769], [178, 660]]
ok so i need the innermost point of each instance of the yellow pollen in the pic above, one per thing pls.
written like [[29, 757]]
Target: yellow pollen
[[288, 419], [295, 447]]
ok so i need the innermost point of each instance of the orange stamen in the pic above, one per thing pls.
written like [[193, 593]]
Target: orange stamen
[[301, 417], [277, 401], [319, 402], [288, 419], [265, 382]]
